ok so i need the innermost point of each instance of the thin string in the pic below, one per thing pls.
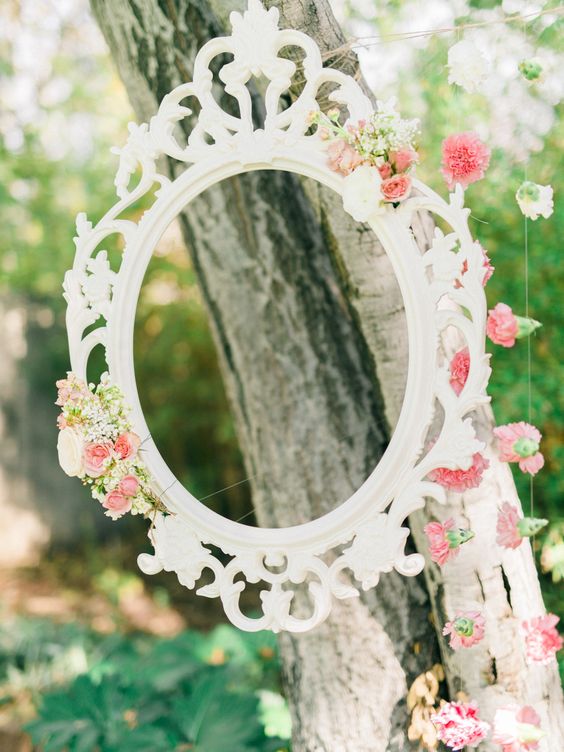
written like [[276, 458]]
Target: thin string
[[264, 474], [359, 43], [529, 344]]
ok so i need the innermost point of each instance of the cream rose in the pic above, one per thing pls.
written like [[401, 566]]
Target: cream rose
[[361, 193], [70, 450]]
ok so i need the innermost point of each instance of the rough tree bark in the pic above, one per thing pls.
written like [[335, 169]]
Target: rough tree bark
[[308, 322]]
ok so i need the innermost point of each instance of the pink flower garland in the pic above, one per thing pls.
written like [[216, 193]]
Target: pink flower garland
[[458, 725]]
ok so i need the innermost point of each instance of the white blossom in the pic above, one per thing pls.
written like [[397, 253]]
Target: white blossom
[[535, 200], [70, 451], [362, 196], [468, 65]]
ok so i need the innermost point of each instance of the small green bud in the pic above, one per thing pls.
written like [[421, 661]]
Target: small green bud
[[459, 536], [464, 626], [526, 326], [528, 191], [526, 447], [529, 526], [527, 733], [530, 69]]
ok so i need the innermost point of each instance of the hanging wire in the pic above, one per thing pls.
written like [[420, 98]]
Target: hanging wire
[[359, 42], [529, 345]]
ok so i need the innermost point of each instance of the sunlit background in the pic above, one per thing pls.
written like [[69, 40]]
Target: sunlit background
[[73, 602]]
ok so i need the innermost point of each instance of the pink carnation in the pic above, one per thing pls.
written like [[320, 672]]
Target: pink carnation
[[445, 540], [542, 640], [502, 326], [342, 157], [465, 630], [129, 485], [127, 445], [117, 504], [403, 159], [508, 534], [465, 159], [396, 188], [458, 725], [459, 369], [519, 442], [461, 480], [61, 422], [517, 729], [96, 458]]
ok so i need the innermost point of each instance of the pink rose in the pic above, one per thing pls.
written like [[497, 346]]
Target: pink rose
[[129, 485], [342, 157], [465, 159], [117, 504], [502, 326], [403, 159], [385, 170], [459, 369], [96, 458], [127, 445], [396, 188]]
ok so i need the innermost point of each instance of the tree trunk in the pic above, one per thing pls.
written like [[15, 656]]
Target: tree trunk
[[309, 326]]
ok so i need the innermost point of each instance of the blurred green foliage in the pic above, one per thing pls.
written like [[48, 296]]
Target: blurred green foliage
[[204, 692]]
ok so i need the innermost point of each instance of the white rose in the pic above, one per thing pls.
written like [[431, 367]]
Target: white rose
[[70, 450], [361, 193], [467, 65]]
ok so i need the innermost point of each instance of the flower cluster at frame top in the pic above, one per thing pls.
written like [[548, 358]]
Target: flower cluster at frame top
[[376, 155], [96, 443]]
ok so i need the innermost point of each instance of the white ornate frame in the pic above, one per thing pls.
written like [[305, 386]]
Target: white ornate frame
[[366, 529]]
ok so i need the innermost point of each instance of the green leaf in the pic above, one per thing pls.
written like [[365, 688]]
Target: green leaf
[[215, 719]]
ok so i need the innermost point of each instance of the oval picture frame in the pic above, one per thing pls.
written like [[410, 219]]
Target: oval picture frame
[[368, 527]]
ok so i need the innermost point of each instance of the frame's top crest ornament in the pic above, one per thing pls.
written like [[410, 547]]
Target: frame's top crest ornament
[[102, 302], [255, 44]]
